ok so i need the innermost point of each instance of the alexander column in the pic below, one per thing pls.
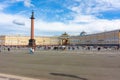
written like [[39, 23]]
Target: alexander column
[[32, 40]]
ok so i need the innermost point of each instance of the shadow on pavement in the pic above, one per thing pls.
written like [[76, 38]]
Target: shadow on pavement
[[68, 75]]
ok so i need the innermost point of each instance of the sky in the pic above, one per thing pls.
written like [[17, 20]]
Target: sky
[[54, 17]]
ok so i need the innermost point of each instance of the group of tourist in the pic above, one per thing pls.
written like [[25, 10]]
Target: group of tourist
[[98, 48], [61, 48], [8, 49]]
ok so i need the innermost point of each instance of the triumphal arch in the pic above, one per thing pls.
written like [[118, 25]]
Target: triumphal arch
[[64, 39]]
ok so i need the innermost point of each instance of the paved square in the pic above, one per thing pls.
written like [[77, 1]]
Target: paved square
[[61, 65]]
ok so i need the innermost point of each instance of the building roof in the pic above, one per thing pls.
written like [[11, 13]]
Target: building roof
[[64, 35]]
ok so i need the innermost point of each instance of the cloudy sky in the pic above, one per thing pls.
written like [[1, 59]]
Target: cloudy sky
[[54, 17]]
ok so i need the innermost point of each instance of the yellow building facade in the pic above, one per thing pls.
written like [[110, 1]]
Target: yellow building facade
[[109, 38]]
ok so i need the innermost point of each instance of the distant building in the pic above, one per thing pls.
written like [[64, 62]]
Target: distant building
[[109, 38]]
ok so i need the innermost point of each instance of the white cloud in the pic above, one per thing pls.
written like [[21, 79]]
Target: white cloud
[[5, 4], [7, 26], [28, 3], [84, 21], [92, 6], [102, 25], [2, 6], [83, 18], [81, 22], [92, 25]]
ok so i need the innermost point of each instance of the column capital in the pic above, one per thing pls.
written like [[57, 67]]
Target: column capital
[[32, 16]]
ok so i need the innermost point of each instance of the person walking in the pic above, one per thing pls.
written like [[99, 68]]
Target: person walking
[[31, 50]]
